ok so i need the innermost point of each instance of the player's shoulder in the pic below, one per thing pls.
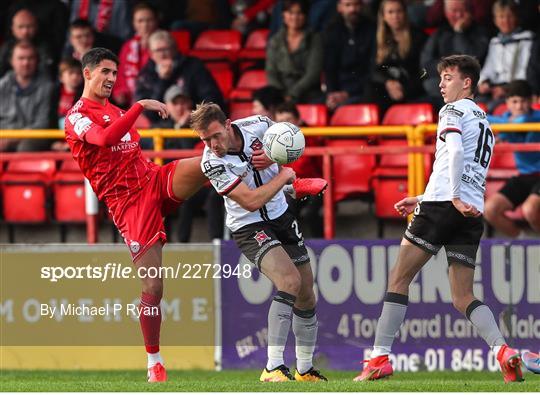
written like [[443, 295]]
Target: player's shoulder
[[461, 109], [77, 115], [253, 123]]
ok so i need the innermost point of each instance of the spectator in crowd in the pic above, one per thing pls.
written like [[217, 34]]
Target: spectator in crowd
[[134, 53], [308, 210], [533, 70], [167, 67], [479, 9], [180, 105], [349, 49], [81, 38], [69, 89], [459, 36], [320, 13], [24, 27], [396, 75], [523, 189], [266, 100], [295, 55], [45, 12], [508, 53], [108, 17], [26, 99]]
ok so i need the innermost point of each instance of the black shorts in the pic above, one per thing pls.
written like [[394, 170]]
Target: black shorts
[[517, 189], [255, 240], [438, 224]]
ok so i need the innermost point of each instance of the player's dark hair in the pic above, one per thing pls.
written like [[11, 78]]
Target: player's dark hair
[[270, 97], [520, 88], [93, 57], [80, 24], [206, 113], [468, 67], [288, 107]]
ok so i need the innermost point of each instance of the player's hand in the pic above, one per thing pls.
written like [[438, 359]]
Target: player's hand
[[467, 210], [260, 161], [406, 206], [289, 173], [154, 105]]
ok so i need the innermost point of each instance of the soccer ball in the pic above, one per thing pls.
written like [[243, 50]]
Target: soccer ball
[[283, 142]]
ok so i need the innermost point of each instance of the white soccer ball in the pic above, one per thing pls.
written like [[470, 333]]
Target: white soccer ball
[[283, 142]]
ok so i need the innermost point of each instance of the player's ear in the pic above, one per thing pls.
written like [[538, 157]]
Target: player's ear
[[227, 123], [467, 83], [87, 73]]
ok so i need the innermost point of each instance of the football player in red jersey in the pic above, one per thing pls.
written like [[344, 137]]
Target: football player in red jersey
[[137, 192]]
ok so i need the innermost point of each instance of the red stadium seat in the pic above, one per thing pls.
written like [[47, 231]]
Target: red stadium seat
[[142, 123], [183, 40], [68, 187], [254, 49], [224, 79], [483, 106], [356, 115], [212, 45], [313, 114], [536, 106], [351, 173], [250, 81], [500, 109], [502, 165], [408, 114], [240, 110], [25, 190]]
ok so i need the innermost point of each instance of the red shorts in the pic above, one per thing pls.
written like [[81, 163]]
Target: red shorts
[[140, 219]]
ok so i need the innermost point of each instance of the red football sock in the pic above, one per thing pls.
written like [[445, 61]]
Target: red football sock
[[150, 323]]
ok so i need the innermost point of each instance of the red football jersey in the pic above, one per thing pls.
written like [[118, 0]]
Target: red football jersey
[[116, 172]]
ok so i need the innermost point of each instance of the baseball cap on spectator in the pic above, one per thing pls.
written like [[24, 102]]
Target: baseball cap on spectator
[[174, 91]]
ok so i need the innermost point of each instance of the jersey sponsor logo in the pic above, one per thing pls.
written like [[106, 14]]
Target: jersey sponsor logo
[[74, 117], [261, 237], [82, 125], [256, 144], [217, 174], [106, 118], [479, 114], [124, 146]]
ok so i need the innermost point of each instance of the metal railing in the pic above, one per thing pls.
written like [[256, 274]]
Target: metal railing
[[415, 136]]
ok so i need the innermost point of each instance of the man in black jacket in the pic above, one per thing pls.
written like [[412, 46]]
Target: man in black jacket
[[349, 50], [167, 67]]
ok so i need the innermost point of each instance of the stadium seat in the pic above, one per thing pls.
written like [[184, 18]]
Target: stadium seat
[[250, 81], [68, 187], [212, 45], [224, 79], [500, 109], [351, 173], [502, 165], [26, 189], [142, 123], [254, 49], [356, 115], [483, 106], [536, 106], [240, 110], [183, 40], [408, 114], [313, 114]]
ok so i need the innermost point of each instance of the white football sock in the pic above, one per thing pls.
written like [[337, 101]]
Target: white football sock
[[153, 359]]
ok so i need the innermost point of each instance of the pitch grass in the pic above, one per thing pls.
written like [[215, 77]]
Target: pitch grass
[[247, 381]]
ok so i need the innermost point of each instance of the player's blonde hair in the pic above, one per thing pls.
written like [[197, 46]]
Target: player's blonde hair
[[206, 113]]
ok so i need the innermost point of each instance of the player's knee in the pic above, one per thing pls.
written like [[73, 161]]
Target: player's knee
[[460, 303], [306, 299], [153, 287], [291, 283]]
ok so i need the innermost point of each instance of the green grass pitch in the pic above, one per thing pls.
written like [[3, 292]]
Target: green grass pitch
[[247, 381]]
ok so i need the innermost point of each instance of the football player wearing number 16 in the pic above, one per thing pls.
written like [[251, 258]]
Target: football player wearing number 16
[[448, 214], [264, 230]]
